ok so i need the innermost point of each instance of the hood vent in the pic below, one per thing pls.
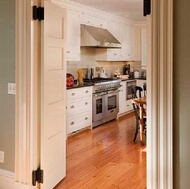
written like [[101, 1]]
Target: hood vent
[[97, 37]]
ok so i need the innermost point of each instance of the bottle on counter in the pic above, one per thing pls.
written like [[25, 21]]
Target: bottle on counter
[[80, 76]]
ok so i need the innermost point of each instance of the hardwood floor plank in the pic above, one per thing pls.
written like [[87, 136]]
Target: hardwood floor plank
[[106, 158]]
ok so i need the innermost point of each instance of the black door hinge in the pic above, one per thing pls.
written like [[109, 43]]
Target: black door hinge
[[147, 7], [37, 176], [38, 13]]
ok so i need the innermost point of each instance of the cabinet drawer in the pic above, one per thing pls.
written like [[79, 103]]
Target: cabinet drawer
[[129, 105], [78, 106], [79, 93], [79, 122]]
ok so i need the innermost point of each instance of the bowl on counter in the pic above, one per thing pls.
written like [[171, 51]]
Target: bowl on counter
[[70, 80]]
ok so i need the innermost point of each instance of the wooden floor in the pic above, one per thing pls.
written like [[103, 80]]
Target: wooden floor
[[106, 158]]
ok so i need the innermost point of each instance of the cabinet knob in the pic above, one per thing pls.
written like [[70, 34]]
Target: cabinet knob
[[86, 118], [73, 94], [72, 106], [68, 51], [86, 91], [72, 123], [86, 103]]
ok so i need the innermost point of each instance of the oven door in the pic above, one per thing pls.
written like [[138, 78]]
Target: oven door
[[129, 89], [98, 106], [112, 104]]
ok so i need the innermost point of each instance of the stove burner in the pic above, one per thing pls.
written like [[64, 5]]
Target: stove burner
[[105, 84], [99, 80]]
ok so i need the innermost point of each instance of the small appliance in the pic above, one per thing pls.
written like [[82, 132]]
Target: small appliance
[[126, 70]]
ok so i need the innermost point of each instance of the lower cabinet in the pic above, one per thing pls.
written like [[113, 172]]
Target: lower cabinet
[[79, 109], [124, 104]]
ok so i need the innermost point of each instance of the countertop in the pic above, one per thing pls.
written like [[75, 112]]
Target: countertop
[[88, 84], [133, 79], [85, 84]]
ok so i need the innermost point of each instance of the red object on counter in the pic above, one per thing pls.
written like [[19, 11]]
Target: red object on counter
[[70, 80]]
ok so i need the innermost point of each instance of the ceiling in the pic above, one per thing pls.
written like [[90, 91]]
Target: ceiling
[[132, 9]]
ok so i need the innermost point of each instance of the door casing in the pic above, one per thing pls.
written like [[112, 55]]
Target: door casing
[[160, 96]]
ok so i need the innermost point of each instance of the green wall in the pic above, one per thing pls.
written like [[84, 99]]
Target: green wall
[[7, 74], [181, 94]]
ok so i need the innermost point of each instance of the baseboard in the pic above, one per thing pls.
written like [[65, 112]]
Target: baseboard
[[7, 181]]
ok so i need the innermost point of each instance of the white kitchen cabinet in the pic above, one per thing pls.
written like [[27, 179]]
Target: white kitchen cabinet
[[110, 54], [122, 98], [144, 47], [103, 54], [124, 104], [92, 20], [137, 44], [79, 109], [129, 105], [73, 36], [127, 36]]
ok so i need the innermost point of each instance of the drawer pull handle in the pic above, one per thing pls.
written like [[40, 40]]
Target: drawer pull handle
[[86, 118], [72, 94], [68, 51], [72, 106], [86, 103], [72, 123], [86, 91]]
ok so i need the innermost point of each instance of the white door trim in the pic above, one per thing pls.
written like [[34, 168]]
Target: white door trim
[[160, 131], [160, 96], [25, 157], [24, 152]]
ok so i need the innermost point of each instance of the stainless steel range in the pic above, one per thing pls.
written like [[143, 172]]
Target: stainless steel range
[[105, 100]]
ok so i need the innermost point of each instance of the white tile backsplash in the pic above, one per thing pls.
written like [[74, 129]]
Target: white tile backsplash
[[88, 59]]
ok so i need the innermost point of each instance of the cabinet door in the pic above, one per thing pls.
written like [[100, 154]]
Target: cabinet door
[[115, 29], [73, 36], [144, 46], [129, 105], [127, 36], [130, 38], [137, 44], [93, 20], [122, 98]]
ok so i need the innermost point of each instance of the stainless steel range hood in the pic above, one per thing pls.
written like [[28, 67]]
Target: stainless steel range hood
[[97, 37]]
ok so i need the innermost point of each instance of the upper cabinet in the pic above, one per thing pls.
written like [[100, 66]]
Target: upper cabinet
[[127, 35], [137, 43], [73, 36], [144, 47], [111, 54], [92, 20]]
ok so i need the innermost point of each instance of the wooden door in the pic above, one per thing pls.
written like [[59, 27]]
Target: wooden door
[[53, 94]]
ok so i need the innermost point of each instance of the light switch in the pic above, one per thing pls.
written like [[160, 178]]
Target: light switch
[[11, 88]]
